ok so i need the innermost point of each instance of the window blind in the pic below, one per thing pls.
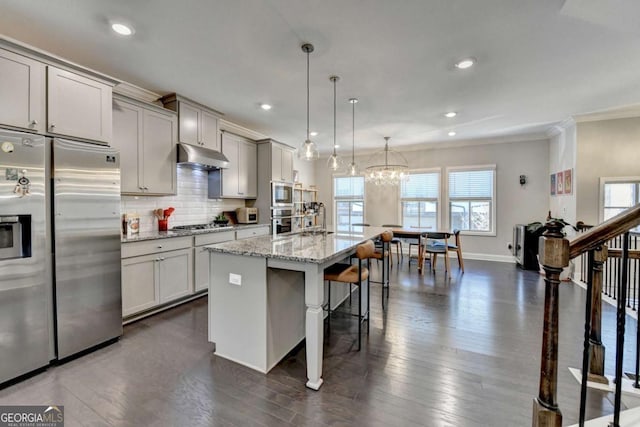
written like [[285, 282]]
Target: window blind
[[471, 184], [350, 186], [421, 186]]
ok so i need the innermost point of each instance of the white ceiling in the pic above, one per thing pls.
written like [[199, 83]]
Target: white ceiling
[[539, 61]]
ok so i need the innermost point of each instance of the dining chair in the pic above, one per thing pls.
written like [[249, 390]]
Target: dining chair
[[356, 275], [436, 243], [396, 241], [454, 247]]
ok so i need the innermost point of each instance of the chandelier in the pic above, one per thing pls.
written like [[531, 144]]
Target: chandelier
[[388, 167], [334, 162], [308, 150]]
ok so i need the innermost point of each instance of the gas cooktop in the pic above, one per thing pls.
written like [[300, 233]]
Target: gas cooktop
[[200, 226]]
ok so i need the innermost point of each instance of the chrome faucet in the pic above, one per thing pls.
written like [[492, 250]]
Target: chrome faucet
[[324, 217]]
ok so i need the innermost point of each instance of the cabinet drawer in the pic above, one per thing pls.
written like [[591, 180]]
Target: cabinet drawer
[[211, 238], [252, 232], [154, 246]]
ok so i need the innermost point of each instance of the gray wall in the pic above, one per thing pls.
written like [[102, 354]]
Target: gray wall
[[515, 204], [562, 156], [606, 148]]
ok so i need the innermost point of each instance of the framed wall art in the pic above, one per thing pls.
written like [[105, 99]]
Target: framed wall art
[[559, 183], [553, 184], [568, 181]]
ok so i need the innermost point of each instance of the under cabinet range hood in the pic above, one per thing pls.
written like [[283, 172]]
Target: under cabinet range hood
[[201, 158]]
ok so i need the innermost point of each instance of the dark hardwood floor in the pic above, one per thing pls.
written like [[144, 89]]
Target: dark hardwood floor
[[458, 352]]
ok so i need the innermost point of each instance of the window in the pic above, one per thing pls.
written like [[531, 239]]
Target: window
[[419, 200], [618, 195], [348, 196], [471, 194]]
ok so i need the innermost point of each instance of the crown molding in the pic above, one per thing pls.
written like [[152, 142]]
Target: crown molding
[[560, 127], [136, 92], [230, 127], [625, 112]]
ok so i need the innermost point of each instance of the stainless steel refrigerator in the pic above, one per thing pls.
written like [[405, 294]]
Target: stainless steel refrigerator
[[86, 255], [60, 290]]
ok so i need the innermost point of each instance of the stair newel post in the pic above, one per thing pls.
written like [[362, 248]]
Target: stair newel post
[[554, 256], [596, 348]]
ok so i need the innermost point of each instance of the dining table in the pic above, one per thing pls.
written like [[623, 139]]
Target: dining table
[[417, 233]]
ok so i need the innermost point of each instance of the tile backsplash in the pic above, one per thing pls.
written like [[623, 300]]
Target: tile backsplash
[[192, 206]]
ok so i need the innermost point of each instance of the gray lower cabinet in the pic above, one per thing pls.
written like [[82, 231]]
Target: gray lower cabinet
[[155, 272]]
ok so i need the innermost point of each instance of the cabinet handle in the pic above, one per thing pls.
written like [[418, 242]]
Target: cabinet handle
[[162, 259], [159, 246], [145, 188], [34, 122], [51, 126]]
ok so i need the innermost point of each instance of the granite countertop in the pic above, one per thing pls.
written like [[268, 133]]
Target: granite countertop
[[301, 247], [154, 235]]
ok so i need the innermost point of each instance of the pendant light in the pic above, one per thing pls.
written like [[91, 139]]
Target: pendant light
[[388, 167], [308, 150], [334, 163], [352, 169]]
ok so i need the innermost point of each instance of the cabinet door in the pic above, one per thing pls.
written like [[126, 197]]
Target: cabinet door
[[127, 132], [22, 96], [189, 122], [209, 131], [276, 163], [287, 165], [248, 173], [201, 261], [159, 153], [139, 287], [78, 106], [175, 274], [230, 175]]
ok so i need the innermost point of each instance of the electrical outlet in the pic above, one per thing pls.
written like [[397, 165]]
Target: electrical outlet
[[235, 279]]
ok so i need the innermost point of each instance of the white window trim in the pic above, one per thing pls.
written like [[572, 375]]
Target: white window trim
[[445, 207], [333, 196], [608, 180], [438, 200]]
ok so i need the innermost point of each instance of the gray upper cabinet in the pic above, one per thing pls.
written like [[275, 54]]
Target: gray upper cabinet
[[240, 180], [198, 124], [78, 106], [280, 157], [146, 137], [22, 92]]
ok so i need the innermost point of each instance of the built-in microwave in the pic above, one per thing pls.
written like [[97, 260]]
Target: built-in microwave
[[10, 237], [281, 193]]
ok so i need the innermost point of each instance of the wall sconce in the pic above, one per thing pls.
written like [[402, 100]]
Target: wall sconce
[[523, 179]]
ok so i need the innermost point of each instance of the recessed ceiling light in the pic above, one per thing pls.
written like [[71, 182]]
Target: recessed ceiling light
[[265, 107], [452, 133], [450, 114], [122, 29], [313, 133], [465, 63]]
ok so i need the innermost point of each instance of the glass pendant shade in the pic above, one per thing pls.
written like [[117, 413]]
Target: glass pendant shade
[[334, 162], [352, 169], [387, 167], [308, 151]]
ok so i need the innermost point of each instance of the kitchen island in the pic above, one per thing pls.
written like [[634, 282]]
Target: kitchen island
[[266, 295]]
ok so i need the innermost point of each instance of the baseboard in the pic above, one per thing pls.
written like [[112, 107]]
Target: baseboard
[[476, 256]]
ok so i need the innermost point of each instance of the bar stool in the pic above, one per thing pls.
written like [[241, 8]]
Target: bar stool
[[384, 254], [396, 241], [346, 273]]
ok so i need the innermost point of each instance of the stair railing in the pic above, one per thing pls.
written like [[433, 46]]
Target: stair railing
[[555, 251]]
